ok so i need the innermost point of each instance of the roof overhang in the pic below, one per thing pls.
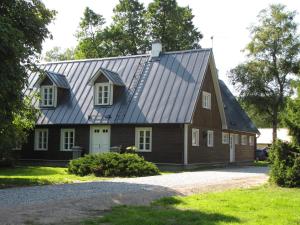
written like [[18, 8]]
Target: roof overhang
[[58, 80], [113, 77]]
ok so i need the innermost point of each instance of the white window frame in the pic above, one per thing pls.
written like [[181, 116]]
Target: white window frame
[[18, 147], [109, 95], [251, 140], [225, 138], [54, 96], [44, 146], [210, 138], [62, 139], [195, 137], [206, 100], [137, 139], [237, 139], [244, 140]]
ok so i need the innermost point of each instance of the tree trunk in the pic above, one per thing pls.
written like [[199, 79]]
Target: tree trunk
[[274, 123]]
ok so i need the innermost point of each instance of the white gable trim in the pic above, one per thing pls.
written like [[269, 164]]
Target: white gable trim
[[215, 78]]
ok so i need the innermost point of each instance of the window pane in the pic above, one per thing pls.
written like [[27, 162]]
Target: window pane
[[141, 146], [147, 146]]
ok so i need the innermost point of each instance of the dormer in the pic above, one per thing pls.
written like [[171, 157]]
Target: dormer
[[52, 87], [106, 86]]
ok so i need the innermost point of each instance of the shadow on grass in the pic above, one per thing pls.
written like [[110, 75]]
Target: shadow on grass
[[20, 182], [30, 171], [159, 215]]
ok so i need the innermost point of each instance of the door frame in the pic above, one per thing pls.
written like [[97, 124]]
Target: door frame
[[91, 135], [232, 148]]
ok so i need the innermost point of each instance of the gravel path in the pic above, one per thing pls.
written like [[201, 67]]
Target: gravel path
[[61, 203]]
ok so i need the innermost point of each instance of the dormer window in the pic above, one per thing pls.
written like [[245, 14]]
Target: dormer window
[[103, 94], [48, 96]]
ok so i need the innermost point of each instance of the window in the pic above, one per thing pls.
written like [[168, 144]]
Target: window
[[48, 96], [225, 138], [237, 139], [41, 139], [244, 140], [251, 140], [67, 139], [195, 137], [103, 94], [210, 138], [143, 139], [206, 100]]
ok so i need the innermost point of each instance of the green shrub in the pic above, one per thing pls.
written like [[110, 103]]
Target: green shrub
[[112, 164], [285, 164]]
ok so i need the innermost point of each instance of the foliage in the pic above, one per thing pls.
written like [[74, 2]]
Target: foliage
[[292, 117], [133, 28], [90, 36], [262, 205], [19, 20], [127, 34], [285, 164], [112, 164], [172, 25], [38, 175], [273, 57], [56, 54]]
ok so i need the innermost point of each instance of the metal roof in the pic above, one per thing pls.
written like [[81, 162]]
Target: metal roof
[[156, 91], [57, 79], [237, 119], [110, 75]]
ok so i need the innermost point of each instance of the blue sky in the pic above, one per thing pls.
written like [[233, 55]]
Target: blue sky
[[227, 21]]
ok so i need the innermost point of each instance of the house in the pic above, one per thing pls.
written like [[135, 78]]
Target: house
[[170, 105], [265, 139]]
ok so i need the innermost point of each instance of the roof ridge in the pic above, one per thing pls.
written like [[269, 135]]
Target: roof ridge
[[126, 56]]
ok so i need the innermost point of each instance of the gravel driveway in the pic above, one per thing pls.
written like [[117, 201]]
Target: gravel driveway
[[69, 202]]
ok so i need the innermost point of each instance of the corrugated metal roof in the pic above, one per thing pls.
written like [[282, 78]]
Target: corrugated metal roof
[[161, 91], [237, 119]]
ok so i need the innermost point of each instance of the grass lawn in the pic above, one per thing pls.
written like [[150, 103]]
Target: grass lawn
[[38, 175], [261, 205]]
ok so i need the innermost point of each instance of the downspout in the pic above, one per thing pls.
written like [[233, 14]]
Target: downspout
[[185, 153]]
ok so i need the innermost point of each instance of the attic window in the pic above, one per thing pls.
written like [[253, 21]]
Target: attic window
[[103, 94], [206, 100], [48, 96]]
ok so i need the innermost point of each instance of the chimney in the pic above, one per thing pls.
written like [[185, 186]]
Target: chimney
[[156, 49]]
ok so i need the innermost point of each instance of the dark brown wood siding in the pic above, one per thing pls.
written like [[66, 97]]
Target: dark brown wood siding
[[53, 152], [204, 120], [167, 141]]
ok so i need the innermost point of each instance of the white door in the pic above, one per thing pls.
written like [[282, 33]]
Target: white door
[[232, 148], [100, 139]]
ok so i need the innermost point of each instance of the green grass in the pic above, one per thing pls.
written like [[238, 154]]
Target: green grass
[[261, 163], [262, 205], [38, 175]]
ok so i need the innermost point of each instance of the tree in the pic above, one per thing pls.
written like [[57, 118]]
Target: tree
[[23, 28], [90, 36], [292, 117], [56, 54], [272, 60], [172, 25], [127, 34]]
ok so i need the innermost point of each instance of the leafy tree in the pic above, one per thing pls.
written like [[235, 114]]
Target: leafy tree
[[273, 57], [172, 25], [56, 54], [292, 117], [23, 28], [90, 35], [127, 34]]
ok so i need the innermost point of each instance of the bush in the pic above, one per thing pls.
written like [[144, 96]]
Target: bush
[[112, 164], [285, 164]]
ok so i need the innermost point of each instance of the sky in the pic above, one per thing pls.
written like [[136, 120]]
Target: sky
[[227, 21]]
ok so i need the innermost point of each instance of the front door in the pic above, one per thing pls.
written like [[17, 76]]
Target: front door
[[100, 138], [232, 148]]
